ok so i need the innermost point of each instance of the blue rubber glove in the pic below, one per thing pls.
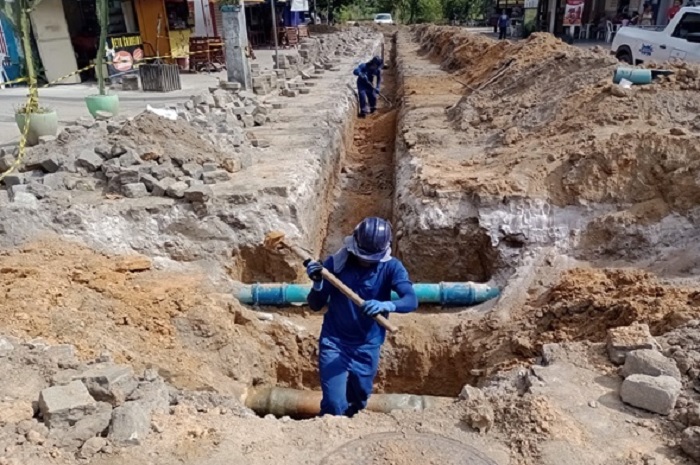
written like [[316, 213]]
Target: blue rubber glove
[[313, 269], [375, 307]]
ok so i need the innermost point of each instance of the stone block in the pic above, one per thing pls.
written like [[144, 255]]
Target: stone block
[[209, 167], [471, 393], [649, 362], [176, 190], [128, 176], [261, 143], [166, 170], [212, 177], [66, 405], [14, 179], [50, 163], [110, 383], [89, 160], [230, 86], [305, 91], [656, 394], [54, 180], [90, 426], [129, 158], [134, 190], [130, 424], [690, 442], [199, 194], [279, 105], [193, 170], [259, 119], [161, 187], [248, 121], [148, 180], [25, 200], [625, 339], [92, 446]]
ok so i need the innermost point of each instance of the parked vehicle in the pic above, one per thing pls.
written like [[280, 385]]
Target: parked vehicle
[[383, 18], [680, 39]]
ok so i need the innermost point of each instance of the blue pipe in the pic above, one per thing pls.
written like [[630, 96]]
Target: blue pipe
[[446, 294]]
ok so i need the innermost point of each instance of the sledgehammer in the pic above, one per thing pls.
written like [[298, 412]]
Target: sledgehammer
[[274, 240]]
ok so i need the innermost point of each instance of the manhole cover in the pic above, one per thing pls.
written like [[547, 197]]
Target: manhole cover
[[406, 449]]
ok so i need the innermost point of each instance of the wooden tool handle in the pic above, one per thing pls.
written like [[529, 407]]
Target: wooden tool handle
[[338, 284], [350, 294]]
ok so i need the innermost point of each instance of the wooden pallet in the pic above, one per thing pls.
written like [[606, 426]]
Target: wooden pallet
[[159, 77]]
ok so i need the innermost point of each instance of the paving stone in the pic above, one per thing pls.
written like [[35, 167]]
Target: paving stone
[[166, 170], [177, 190], [160, 188], [649, 362], [90, 426], [130, 424], [55, 180], [129, 158], [304, 91], [148, 180], [65, 405], [89, 160], [134, 190], [656, 394], [129, 176], [625, 339], [259, 119], [261, 143], [198, 194], [14, 179], [25, 200], [193, 170], [212, 177], [248, 121], [110, 383], [209, 167], [50, 163], [37, 188]]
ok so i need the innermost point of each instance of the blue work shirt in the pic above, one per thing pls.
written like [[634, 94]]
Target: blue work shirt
[[370, 72], [344, 321], [503, 20]]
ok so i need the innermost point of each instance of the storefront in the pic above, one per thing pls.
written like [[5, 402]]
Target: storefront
[[10, 49]]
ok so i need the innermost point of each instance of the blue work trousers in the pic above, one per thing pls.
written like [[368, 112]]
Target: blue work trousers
[[347, 374], [367, 95]]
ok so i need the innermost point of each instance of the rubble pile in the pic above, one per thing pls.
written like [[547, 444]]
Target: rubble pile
[[83, 409]]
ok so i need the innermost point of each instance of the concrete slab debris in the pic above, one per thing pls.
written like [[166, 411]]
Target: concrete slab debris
[[66, 405], [649, 362]]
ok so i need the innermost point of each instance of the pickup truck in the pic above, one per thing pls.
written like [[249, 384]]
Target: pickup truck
[[680, 39]]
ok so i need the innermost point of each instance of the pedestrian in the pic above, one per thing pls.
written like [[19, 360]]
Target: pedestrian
[[674, 9], [350, 338], [366, 90], [503, 21], [647, 17]]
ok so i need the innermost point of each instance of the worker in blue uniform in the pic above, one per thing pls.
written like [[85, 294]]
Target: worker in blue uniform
[[366, 91], [350, 338]]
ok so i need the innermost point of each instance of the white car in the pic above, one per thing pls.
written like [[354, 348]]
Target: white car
[[383, 18], [680, 39]]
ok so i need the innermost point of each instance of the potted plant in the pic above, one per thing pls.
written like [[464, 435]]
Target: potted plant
[[102, 101], [32, 119]]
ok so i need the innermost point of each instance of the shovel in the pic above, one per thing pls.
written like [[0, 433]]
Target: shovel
[[275, 240]]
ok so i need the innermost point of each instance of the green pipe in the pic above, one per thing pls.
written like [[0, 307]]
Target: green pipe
[[446, 294]]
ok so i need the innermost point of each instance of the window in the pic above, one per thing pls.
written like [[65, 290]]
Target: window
[[689, 24], [383, 17]]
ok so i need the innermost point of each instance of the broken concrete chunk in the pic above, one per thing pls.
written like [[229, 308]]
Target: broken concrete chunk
[[177, 190], [649, 362], [656, 394], [134, 190], [110, 383], [212, 177], [625, 339], [192, 170], [65, 405], [690, 442], [89, 160], [130, 424], [198, 194]]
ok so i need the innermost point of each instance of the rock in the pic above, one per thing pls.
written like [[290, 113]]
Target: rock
[[111, 383], [199, 194], [55, 180], [25, 200], [63, 355], [130, 424], [6, 162], [177, 190], [166, 170], [619, 91], [649, 362], [678, 132], [35, 437], [91, 447], [14, 179], [134, 190], [625, 339], [86, 428], [690, 442], [232, 165], [471, 393], [133, 263], [5, 346], [162, 186], [128, 176], [129, 158], [65, 405], [192, 170], [209, 167], [212, 177], [153, 395], [50, 163], [261, 143], [89, 160], [656, 394]]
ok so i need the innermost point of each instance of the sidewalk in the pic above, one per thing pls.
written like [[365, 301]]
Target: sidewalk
[[69, 100]]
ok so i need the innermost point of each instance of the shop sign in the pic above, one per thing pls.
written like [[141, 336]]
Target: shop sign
[[124, 53], [573, 12], [530, 4]]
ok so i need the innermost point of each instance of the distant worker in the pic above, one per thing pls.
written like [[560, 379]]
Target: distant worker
[[350, 338], [503, 21], [366, 90]]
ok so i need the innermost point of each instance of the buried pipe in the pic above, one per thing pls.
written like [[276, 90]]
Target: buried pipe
[[295, 403], [445, 294]]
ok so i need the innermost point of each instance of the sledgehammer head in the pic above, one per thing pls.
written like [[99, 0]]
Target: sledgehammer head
[[274, 240]]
